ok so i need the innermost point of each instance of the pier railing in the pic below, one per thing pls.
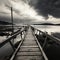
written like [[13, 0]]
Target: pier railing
[[43, 54], [42, 51], [9, 39], [54, 39], [15, 52]]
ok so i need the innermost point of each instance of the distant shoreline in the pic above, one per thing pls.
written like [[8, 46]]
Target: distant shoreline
[[48, 24]]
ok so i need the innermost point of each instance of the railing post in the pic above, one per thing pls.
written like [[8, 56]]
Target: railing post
[[45, 42], [21, 35], [12, 45]]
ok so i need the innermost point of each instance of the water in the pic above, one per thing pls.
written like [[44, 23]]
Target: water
[[4, 50], [49, 28]]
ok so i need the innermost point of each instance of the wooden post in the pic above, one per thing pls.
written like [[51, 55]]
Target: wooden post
[[12, 22], [12, 45], [45, 42], [12, 19], [20, 35]]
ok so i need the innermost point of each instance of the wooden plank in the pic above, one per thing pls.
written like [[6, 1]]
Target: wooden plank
[[29, 58], [28, 53], [9, 39], [27, 39], [30, 46], [30, 38], [29, 49], [30, 41], [43, 53], [34, 43]]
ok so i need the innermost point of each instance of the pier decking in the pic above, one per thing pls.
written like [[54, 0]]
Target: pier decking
[[29, 49], [31, 45]]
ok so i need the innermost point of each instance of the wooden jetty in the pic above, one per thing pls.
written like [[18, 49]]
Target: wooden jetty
[[29, 49]]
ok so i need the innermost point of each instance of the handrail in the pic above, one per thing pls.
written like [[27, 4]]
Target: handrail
[[16, 31], [9, 39], [14, 54], [43, 53], [56, 40]]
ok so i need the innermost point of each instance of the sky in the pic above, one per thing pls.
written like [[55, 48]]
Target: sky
[[27, 12]]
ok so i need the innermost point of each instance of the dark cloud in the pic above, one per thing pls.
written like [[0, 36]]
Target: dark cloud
[[28, 14], [46, 7]]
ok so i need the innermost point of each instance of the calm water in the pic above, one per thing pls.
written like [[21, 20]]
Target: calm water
[[49, 28]]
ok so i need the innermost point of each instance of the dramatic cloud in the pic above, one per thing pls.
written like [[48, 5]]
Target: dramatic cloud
[[29, 11], [48, 7], [21, 10]]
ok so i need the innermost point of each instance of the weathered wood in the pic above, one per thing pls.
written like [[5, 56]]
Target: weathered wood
[[56, 40], [12, 45], [43, 54], [14, 54], [29, 58], [29, 53], [30, 46], [10, 38], [29, 50], [30, 41]]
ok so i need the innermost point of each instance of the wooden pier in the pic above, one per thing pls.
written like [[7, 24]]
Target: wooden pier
[[29, 49], [31, 46]]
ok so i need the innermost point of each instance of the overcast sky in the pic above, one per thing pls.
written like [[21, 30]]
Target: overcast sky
[[24, 11]]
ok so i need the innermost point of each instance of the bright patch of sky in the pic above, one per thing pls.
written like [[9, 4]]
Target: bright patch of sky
[[22, 10]]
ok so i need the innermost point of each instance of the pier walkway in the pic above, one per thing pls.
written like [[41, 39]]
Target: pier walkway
[[31, 45], [29, 49]]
